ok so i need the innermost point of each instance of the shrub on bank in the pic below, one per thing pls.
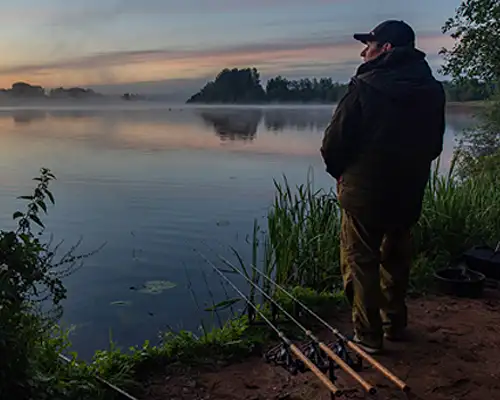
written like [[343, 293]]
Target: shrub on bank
[[30, 278], [32, 346]]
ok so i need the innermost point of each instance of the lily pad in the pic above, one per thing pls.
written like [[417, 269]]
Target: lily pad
[[156, 287], [120, 303]]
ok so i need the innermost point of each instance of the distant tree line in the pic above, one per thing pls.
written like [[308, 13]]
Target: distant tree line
[[25, 90], [468, 90], [243, 86]]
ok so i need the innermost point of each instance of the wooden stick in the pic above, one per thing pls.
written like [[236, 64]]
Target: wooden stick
[[369, 388], [398, 382], [321, 376]]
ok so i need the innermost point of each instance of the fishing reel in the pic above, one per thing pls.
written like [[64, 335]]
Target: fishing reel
[[281, 355], [339, 348]]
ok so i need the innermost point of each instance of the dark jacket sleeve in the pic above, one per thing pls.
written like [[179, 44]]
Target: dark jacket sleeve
[[343, 134]]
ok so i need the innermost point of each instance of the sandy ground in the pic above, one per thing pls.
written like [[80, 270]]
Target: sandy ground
[[453, 353]]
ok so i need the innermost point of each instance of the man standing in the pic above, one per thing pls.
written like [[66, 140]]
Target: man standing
[[379, 146]]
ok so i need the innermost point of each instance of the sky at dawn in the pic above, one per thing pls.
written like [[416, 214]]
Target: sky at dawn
[[156, 46]]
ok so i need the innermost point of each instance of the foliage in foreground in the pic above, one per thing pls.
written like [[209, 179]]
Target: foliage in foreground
[[31, 281], [32, 345], [234, 340]]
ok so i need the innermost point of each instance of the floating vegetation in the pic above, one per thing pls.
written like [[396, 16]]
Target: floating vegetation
[[155, 287], [121, 303], [223, 223]]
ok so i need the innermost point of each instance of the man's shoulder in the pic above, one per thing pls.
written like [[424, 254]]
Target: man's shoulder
[[357, 90], [351, 95]]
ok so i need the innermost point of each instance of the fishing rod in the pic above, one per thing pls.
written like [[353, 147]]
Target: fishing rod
[[288, 343], [388, 374], [338, 360], [103, 381]]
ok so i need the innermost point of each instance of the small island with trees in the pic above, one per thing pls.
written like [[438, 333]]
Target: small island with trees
[[243, 86], [21, 92]]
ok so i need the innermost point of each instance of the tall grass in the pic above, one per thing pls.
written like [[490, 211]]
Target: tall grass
[[458, 214], [302, 239], [301, 243]]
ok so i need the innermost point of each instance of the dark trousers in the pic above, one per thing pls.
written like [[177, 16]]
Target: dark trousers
[[375, 265]]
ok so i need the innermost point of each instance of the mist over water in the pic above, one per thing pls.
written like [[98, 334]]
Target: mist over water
[[154, 181]]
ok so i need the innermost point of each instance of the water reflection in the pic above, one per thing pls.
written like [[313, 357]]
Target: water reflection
[[231, 125], [274, 130], [28, 116], [478, 139], [303, 120]]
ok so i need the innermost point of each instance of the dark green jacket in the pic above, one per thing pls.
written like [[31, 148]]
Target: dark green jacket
[[384, 135]]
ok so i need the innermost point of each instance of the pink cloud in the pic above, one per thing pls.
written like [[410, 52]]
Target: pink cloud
[[316, 55], [301, 49]]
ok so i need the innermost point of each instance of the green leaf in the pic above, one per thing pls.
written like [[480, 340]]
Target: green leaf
[[17, 214], [223, 304], [50, 195], [25, 238], [38, 193], [36, 220], [42, 205]]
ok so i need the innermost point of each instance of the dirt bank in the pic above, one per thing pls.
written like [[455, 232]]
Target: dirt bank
[[453, 353]]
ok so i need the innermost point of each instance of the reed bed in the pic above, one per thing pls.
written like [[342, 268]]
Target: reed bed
[[300, 245]]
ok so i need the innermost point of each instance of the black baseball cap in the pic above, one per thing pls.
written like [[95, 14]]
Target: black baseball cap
[[398, 33]]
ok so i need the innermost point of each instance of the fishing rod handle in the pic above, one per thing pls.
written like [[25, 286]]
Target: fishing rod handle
[[322, 377], [342, 364], [389, 375]]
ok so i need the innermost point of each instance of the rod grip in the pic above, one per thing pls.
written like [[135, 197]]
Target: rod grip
[[342, 364], [321, 376], [389, 375]]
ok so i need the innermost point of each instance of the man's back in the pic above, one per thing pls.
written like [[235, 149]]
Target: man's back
[[394, 112]]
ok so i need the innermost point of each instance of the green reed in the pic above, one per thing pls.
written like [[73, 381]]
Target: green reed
[[301, 243], [302, 238], [458, 214]]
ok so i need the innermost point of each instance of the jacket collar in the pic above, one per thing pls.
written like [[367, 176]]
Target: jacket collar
[[392, 59]]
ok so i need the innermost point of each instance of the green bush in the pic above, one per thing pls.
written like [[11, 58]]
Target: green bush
[[30, 279]]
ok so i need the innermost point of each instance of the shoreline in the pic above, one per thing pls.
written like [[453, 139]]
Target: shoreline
[[467, 104], [115, 103]]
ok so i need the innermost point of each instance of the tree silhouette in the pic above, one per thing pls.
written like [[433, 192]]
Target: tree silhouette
[[476, 30], [243, 86], [232, 86]]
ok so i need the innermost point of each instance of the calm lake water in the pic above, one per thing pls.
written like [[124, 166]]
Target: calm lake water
[[155, 182]]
